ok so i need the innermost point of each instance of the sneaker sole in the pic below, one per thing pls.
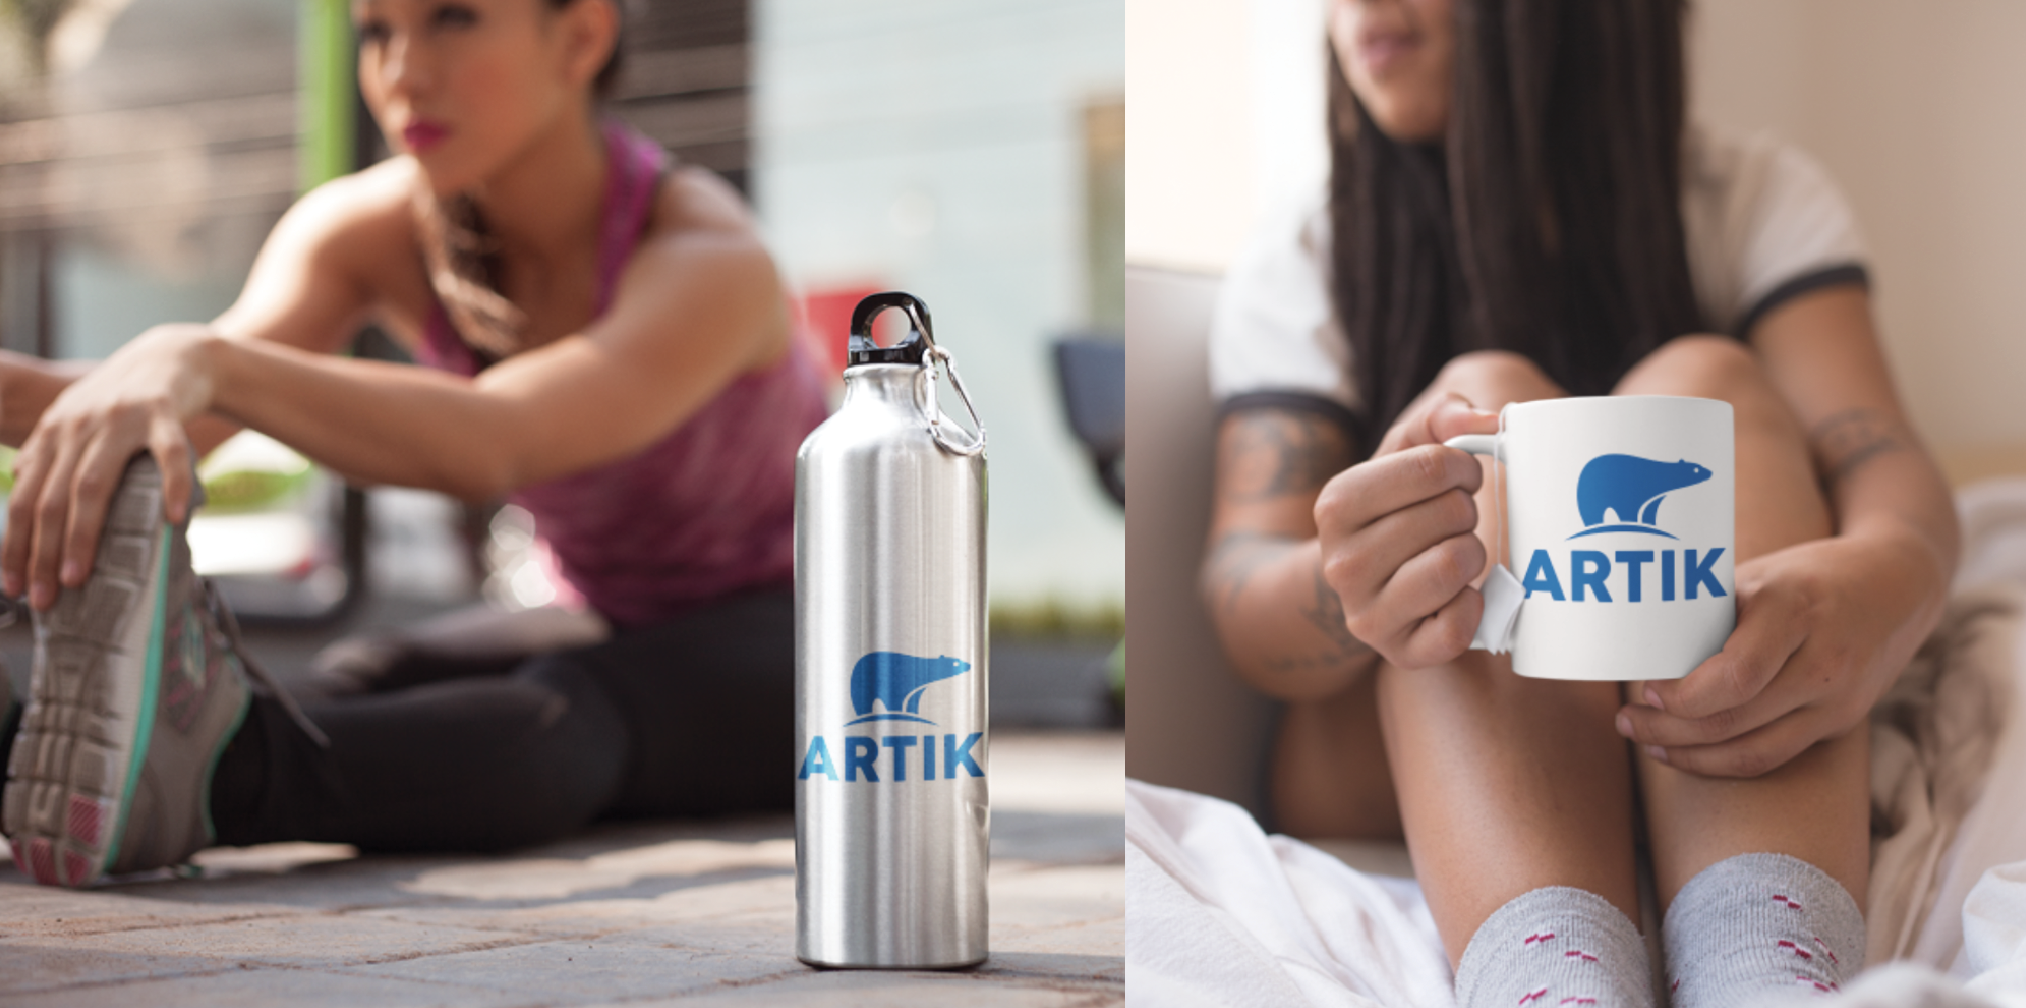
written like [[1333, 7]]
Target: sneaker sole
[[92, 698]]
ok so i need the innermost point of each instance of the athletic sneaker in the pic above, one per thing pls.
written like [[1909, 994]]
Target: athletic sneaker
[[138, 684]]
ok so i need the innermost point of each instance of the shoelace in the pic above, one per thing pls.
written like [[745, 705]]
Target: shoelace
[[228, 624]]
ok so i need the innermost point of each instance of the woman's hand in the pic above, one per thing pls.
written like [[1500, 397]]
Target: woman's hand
[[1824, 628], [68, 469], [1398, 537]]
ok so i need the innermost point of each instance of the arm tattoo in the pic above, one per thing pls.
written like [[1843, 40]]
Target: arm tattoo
[[1278, 452], [1233, 559], [1269, 462], [1847, 440], [1327, 614], [1235, 556]]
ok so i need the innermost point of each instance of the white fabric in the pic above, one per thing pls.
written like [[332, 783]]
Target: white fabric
[[1219, 913], [1994, 935], [1993, 515], [1756, 214], [1933, 740], [1276, 328]]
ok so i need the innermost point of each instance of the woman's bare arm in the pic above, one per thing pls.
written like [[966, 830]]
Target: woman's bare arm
[[682, 328], [1822, 353], [1281, 623], [27, 386], [1854, 607], [306, 289], [696, 305]]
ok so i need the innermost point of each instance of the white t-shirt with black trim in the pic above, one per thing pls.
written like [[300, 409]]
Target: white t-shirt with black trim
[[1763, 224]]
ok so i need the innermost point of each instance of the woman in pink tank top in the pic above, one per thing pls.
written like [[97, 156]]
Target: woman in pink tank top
[[604, 341]]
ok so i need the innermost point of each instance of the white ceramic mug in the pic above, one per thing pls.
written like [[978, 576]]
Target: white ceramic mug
[[1620, 521]]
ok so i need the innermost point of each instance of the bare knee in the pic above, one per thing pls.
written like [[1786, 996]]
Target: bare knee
[[1708, 367], [1778, 503], [1489, 379]]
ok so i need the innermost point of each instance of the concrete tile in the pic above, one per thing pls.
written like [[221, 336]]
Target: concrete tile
[[266, 988], [1097, 938], [662, 910], [980, 988], [1047, 896], [309, 885], [595, 969], [1063, 967], [33, 911], [701, 901], [553, 878], [29, 965], [633, 861], [315, 940], [767, 935]]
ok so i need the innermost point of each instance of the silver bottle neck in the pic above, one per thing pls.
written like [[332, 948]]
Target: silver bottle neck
[[904, 385]]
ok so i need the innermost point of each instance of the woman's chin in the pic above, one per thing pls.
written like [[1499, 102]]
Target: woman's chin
[[444, 177], [1411, 122]]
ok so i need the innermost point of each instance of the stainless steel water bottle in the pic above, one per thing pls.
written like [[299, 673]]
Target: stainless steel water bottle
[[892, 823]]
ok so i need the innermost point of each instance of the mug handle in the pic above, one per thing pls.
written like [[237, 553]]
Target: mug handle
[[1476, 444], [1502, 593]]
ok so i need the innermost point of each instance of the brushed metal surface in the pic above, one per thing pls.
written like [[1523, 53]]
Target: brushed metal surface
[[890, 557]]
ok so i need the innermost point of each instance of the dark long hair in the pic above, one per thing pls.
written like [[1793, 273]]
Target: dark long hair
[[462, 254], [1547, 222]]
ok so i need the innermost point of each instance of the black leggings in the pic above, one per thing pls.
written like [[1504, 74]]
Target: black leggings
[[693, 716]]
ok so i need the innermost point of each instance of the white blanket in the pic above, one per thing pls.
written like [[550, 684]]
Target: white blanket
[[1221, 914]]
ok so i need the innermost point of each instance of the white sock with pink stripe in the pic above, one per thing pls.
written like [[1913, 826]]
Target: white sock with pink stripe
[[1760, 923], [1555, 948]]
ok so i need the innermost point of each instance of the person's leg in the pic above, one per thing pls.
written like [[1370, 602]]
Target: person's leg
[[709, 701], [1816, 808], [693, 716], [1329, 773], [1507, 785], [483, 764], [478, 640]]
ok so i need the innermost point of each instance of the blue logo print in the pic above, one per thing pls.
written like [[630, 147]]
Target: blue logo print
[[896, 682], [1632, 488], [888, 686]]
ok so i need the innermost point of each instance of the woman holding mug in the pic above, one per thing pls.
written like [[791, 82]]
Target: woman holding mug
[[1519, 210]]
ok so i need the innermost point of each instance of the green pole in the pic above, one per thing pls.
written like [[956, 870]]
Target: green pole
[[324, 68]]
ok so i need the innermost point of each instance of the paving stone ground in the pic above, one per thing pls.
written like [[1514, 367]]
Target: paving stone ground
[[639, 913]]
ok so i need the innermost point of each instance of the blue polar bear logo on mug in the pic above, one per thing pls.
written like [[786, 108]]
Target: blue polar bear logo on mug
[[1632, 488], [896, 681]]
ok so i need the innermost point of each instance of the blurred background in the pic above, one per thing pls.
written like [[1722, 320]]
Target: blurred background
[[972, 154], [1912, 109]]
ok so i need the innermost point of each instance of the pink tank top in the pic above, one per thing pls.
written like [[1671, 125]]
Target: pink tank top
[[706, 511]]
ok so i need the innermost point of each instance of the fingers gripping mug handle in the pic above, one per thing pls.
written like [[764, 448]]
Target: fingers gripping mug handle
[[1476, 444], [1502, 592]]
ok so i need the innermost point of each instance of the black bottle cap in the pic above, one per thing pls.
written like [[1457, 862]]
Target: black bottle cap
[[913, 350]]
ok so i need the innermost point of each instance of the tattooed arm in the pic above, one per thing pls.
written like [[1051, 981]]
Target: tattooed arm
[[1825, 626], [1822, 353], [1281, 624]]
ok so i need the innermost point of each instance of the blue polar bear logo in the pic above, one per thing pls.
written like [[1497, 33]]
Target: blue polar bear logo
[[897, 680], [1632, 488]]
